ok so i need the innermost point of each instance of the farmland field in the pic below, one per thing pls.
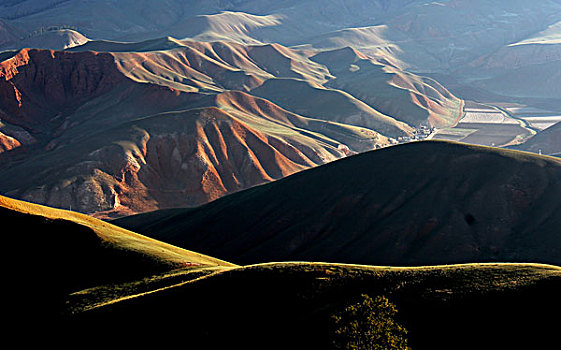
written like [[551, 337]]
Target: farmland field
[[543, 122], [537, 118], [487, 126]]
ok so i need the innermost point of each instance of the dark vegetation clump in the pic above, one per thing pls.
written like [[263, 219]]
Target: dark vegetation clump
[[369, 324]]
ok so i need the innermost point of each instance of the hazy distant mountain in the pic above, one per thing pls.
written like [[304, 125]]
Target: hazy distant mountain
[[59, 39], [8, 35]]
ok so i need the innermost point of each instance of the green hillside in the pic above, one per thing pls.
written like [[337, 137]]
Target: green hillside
[[280, 306], [56, 252]]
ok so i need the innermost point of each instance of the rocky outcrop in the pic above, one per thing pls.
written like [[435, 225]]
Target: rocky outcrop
[[38, 88], [8, 143]]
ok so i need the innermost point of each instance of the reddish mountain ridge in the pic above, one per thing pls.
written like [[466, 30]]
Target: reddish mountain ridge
[[37, 85], [90, 138], [172, 123]]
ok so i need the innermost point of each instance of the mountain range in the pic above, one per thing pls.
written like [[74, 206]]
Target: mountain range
[[170, 123], [293, 85], [281, 174]]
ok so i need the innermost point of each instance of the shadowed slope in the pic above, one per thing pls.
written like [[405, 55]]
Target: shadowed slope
[[349, 138], [8, 35], [329, 104], [66, 252], [406, 97], [441, 307], [415, 204], [527, 68], [547, 141], [37, 87], [167, 160]]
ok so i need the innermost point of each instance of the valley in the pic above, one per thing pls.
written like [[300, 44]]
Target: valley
[[263, 174], [537, 118], [487, 126]]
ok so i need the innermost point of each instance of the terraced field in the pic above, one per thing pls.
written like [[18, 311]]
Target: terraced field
[[487, 126], [537, 118]]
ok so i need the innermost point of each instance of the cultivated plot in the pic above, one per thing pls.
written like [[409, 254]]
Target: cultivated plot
[[539, 119], [485, 125]]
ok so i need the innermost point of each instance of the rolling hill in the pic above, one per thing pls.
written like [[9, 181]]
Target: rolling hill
[[269, 124], [61, 252], [290, 304], [407, 97], [329, 104], [169, 159], [72, 272], [527, 68], [74, 124], [416, 204], [53, 39]]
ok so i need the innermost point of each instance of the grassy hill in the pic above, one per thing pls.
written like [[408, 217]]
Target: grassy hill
[[328, 104], [416, 204], [72, 273], [289, 305], [57, 252]]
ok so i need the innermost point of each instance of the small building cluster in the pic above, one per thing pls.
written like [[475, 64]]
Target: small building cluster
[[420, 133]]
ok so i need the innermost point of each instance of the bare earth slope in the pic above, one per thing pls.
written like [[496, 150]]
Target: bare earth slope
[[415, 204], [423, 36], [85, 126], [72, 114]]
